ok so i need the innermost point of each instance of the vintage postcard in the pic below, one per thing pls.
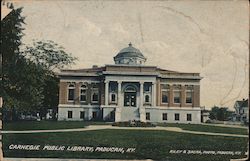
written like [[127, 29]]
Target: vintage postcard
[[124, 80]]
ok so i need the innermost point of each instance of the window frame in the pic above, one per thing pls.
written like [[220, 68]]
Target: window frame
[[189, 118], [71, 86], [166, 116], [82, 116], [70, 114], [167, 90], [189, 89], [175, 116], [147, 115], [85, 89], [95, 90]]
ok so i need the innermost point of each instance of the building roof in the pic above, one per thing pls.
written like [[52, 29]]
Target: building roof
[[129, 51], [242, 103]]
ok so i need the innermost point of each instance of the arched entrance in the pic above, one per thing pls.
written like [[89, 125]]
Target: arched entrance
[[130, 96]]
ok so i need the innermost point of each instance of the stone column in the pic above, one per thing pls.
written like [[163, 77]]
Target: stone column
[[153, 94], [141, 94], [119, 94], [142, 111], [106, 93], [118, 109]]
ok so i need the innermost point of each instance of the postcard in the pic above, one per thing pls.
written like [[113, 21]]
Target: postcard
[[124, 80]]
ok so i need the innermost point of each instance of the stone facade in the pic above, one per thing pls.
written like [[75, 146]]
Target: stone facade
[[132, 91]]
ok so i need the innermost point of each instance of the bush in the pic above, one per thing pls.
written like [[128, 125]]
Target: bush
[[133, 124]]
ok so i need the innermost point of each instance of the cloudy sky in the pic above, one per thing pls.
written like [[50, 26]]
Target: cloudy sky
[[209, 37]]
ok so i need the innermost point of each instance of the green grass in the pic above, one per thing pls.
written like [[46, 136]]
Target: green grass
[[48, 125], [207, 128], [149, 144]]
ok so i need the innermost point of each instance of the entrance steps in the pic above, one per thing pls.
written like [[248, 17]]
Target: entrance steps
[[130, 113]]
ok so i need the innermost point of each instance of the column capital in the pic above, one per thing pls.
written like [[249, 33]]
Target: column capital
[[141, 82], [106, 81], [153, 83], [119, 81]]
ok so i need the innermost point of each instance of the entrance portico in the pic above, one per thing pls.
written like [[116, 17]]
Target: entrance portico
[[133, 96]]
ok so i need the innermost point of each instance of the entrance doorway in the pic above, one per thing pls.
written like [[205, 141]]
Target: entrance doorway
[[130, 99]]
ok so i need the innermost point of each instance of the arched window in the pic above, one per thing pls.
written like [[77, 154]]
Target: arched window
[[130, 89], [83, 93], [147, 99], [113, 97], [71, 92]]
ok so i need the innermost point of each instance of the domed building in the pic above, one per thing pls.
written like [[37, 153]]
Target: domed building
[[130, 55], [129, 90]]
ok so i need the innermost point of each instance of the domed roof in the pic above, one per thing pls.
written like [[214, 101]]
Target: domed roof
[[129, 51]]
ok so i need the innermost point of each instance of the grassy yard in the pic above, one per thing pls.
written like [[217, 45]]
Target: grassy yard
[[207, 128], [149, 144], [48, 125]]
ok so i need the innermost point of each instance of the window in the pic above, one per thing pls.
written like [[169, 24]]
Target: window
[[95, 97], [189, 117], [147, 87], [82, 114], [94, 115], [71, 92], [189, 94], [147, 98], [177, 93], [83, 92], [164, 93], [95, 93], [70, 114], [176, 116], [164, 116], [147, 116], [113, 97]]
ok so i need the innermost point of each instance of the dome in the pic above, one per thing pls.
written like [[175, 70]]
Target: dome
[[129, 55]]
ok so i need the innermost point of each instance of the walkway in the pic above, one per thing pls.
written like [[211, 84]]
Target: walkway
[[102, 127]]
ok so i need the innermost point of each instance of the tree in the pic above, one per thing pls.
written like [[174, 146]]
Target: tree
[[220, 113], [11, 34], [29, 82]]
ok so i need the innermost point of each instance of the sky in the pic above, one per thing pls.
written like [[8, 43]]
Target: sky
[[208, 37]]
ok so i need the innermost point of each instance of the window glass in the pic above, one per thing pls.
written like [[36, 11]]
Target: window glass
[[189, 117], [164, 97], [176, 116], [82, 114], [71, 92], [147, 116], [177, 95], [147, 99], [164, 116], [113, 97], [189, 97], [70, 114]]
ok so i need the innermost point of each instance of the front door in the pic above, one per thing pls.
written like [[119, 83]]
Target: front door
[[130, 99]]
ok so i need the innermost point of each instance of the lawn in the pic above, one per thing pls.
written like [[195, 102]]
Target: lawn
[[207, 128], [48, 125], [148, 145]]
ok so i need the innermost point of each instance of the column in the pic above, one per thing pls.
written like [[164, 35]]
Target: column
[[141, 94], [153, 94], [119, 93], [106, 93], [118, 109]]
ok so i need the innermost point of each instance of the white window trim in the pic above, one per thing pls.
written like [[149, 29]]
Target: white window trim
[[165, 90], [191, 91], [110, 97], [81, 94], [144, 98], [173, 97], [68, 92]]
